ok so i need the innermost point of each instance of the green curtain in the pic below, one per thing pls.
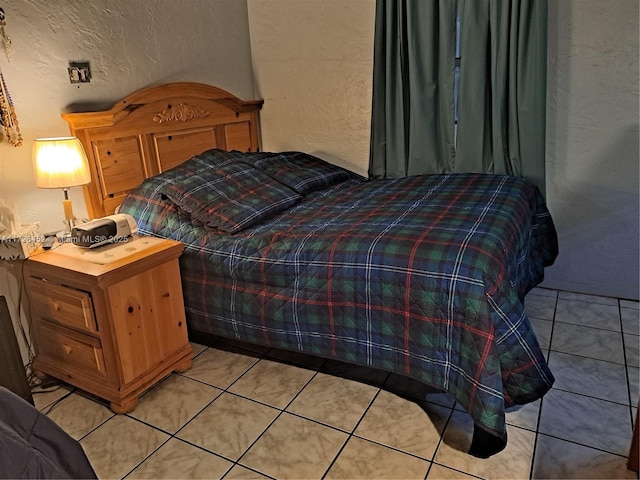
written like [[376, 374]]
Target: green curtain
[[412, 109], [502, 92], [502, 88]]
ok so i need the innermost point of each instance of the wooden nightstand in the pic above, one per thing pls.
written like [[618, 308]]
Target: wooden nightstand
[[111, 320]]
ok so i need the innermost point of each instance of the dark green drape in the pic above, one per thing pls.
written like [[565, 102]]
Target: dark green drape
[[412, 111], [502, 89], [502, 96]]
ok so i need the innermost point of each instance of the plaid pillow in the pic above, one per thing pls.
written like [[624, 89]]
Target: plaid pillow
[[231, 197], [300, 171]]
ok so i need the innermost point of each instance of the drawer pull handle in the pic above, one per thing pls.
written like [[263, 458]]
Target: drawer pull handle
[[56, 306], [166, 294], [66, 348]]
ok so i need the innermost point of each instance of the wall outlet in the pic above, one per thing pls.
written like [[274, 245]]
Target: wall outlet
[[79, 72]]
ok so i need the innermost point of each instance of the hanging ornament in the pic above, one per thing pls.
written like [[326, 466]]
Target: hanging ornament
[[8, 118], [5, 40]]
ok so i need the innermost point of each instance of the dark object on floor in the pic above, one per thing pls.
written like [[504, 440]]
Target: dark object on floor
[[33, 446], [12, 374]]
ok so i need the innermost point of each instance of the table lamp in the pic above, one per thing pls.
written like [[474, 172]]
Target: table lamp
[[61, 163]]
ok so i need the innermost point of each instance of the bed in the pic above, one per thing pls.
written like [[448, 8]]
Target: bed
[[423, 276]]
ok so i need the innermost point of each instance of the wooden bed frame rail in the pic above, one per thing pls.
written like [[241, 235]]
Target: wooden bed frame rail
[[155, 129]]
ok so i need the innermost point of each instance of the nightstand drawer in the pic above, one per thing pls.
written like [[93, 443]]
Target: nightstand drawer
[[72, 348], [63, 305]]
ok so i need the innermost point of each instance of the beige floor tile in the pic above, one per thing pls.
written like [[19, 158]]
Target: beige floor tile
[[585, 420], [177, 459], [588, 342], [588, 376], [542, 330], [229, 425], [438, 472], [219, 368], [634, 385], [630, 304], [540, 306], [65, 414], [173, 402], [404, 424], [272, 382], [42, 399], [630, 320], [362, 459], [513, 462], [632, 350], [557, 458], [583, 297], [334, 401], [119, 445], [589, 314], [238, 472], [197, 348], [294, 448], [525, 416]]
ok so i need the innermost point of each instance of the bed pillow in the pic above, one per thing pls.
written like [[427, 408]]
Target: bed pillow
[[231, 197], [300, 171], [207, 160]]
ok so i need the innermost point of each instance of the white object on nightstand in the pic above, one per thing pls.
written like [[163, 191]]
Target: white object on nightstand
[[22, 243]]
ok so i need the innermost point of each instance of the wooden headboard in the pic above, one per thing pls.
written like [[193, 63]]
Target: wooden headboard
[[155, 129]]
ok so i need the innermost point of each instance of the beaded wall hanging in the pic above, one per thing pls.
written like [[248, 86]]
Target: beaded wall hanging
[[8, 118], [5, 40]]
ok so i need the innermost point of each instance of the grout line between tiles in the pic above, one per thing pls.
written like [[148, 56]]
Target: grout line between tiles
[[584, 445], [535, 441], [452, 468], [592, 397], [281, 411], [590, 326], [537, 431], [626, 365], [145, 458], [248, 468], [46, 410], [351, 434], [444, 429]]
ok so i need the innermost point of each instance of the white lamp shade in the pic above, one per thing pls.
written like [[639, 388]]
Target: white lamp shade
[[60, 163]]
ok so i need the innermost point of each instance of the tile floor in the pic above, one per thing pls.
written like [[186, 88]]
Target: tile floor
[[255, 413]]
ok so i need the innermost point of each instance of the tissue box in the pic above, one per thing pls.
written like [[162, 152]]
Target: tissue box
[[22, 243]]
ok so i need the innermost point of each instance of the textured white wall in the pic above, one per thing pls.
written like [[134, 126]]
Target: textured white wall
[[312, 62], [313, 65], [131, 44], [592, 145]]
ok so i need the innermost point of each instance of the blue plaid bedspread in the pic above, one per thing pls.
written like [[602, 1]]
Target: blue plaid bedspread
[[424, 276]]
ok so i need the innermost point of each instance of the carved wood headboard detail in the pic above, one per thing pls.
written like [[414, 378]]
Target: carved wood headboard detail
[[155, 129]]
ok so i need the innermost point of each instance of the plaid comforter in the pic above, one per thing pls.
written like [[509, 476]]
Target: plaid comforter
[[424, 276]]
